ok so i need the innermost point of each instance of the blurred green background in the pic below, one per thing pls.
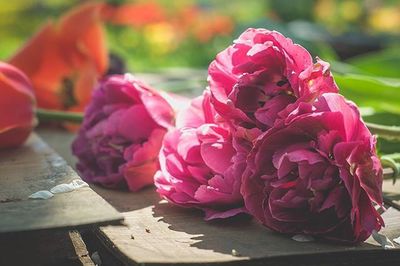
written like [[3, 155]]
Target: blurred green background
[[188, 33], [360, 38]]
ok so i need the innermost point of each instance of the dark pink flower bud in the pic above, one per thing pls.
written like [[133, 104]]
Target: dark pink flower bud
[[120, 138]]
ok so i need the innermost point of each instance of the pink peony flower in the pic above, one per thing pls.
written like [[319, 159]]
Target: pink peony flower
[[317, 174], [199, 164], [263, 76], [17, 106], [120, 138]]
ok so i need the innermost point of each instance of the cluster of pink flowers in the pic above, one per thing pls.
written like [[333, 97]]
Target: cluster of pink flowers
[[271, 137]]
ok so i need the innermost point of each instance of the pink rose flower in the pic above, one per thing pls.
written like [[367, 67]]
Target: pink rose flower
[[17, 106], [199, 164], [263, 76], [121, 135], [317, 174]]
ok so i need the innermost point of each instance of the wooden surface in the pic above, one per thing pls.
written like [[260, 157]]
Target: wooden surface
[[156, 233], [42, 248], [392, 191], [35, 167]]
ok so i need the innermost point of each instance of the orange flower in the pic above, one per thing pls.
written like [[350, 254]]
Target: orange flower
[[17, 104], [211, 25], [134, 14], [65, 58]]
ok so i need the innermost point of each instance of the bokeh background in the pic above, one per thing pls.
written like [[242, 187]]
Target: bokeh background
[[359, 38], [188, 33]]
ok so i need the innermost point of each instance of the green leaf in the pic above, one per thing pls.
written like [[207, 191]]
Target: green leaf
[[387, 132], [345, 69], [392, 161], [385, 63], [382, 94], [388, 119], [385, 145]]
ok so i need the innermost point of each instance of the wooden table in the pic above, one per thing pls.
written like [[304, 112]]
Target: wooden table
[[156, 233], [38, 231]]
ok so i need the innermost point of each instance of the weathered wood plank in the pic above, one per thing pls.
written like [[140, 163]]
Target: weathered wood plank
[[80, 248], [392, 191], [180, 236], [159, 233], [35, 167]]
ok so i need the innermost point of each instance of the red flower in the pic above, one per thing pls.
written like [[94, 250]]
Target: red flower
[[17, 104]]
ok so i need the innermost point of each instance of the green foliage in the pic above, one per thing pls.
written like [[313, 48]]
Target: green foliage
[[385, 63], [382, 94], [373, 82]]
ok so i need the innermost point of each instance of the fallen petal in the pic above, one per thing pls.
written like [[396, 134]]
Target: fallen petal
[[397, 240], [42, 194], [303, 238], [62, 188], [382, 240], [78, 183]]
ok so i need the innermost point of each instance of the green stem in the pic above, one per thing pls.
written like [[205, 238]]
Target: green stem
[[386, 132], [391, 161], [52, 115]]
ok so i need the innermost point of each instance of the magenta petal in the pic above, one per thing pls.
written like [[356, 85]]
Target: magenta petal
[[158, 108], [217, 156], [189, 147], [269, 113], [211, 214], [134, 124]]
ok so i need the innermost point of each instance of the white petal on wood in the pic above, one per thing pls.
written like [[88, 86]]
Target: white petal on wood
[[96, 258], [42, 194], [303, 238], [73, 185], [78, 183], [62, 188], [397, 240], [382, 240]]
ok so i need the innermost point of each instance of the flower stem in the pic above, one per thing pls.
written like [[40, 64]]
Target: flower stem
[[392, 162], [386, 132], [52, 115]]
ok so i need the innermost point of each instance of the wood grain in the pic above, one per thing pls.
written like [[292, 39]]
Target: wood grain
[[35, 167], [392, 191], [158, 233]]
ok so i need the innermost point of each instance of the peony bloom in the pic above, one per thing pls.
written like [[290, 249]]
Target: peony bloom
[[121, 135], [17, 106], [65, 59], [262, 76], [318, 174], [199, 165]]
